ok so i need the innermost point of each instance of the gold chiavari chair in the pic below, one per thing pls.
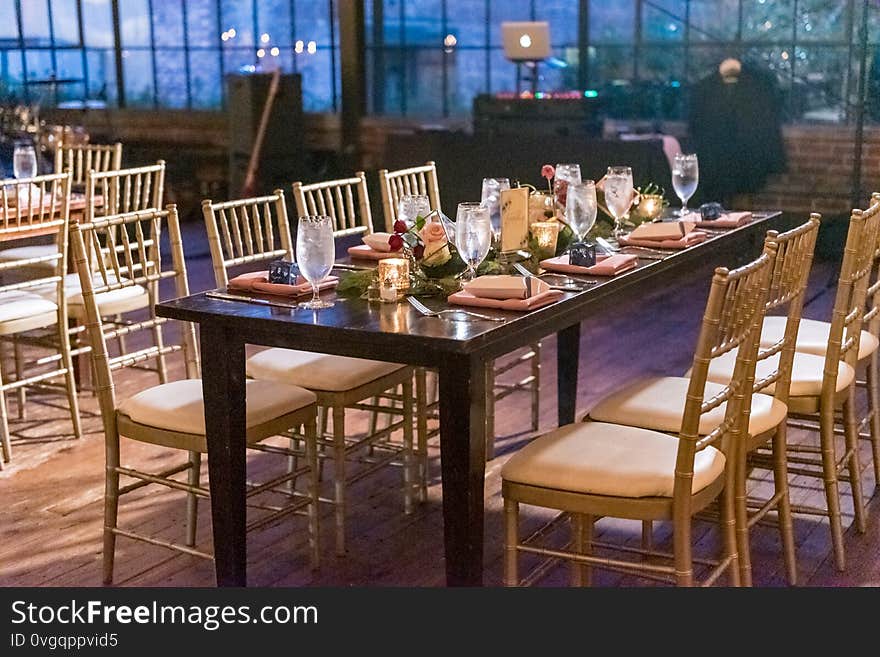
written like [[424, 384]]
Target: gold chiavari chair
[[345, 200], [171, 414], [80, 159], [33, 206], [394, 185], [250, 231], [823, 386], [658, 403], [423, 180], [597, 469]]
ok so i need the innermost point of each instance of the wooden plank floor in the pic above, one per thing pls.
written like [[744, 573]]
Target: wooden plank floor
[[52, 493]]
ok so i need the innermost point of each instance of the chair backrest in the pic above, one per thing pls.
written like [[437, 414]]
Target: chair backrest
[[126, 190], [871, 320], [35, 206], [336, 199], [732, 320], [788, 287], [247, 231], [129, 245], [395, 185], [852, 291], [79, 159]]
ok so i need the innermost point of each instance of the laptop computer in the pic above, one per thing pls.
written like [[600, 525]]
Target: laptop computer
[[526, 41]]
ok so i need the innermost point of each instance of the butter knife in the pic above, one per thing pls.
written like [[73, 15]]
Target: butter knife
[[225, 296]]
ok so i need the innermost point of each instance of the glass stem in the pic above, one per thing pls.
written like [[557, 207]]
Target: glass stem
[[315, 297]]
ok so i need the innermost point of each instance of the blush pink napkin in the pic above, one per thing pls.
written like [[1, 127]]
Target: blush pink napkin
[[258, 281], [693, 237], [366, 253], [538, 301], [726, 220], [605, 266]]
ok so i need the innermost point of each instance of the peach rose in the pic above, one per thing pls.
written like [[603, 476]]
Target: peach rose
[[433, 232]]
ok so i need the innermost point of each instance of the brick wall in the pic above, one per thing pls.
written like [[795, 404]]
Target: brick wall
[[820, 167]]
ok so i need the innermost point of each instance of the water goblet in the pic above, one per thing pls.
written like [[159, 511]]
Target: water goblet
[[473, 236], [315, 254]]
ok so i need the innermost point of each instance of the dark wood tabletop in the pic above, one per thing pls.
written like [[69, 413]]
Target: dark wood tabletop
[[397, 333]]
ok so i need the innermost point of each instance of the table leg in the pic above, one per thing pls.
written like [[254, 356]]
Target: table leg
[[463, 459], [223, 386], [568, 346]]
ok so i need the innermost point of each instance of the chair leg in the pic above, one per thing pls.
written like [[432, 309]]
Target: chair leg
[[192, 500], [490, 410], [582, 541], [339, 475], [19, 375], [374, 422], [740, 520], [854, 466], [728, 533], [536, 386], [780, 483], [422, 431], [408, 460], [829, 477], [69, 379], [5, 441], [647, 534], [311, 430], [511, 538], [323, 420], [874, 412], [111, 507]]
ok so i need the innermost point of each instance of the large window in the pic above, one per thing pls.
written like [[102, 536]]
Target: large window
[[431, 57], [166, 53]]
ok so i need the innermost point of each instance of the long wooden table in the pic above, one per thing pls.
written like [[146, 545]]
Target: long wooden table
[[397, 333]]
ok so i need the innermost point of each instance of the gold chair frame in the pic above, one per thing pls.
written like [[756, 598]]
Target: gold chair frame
[[243, 232], [394, 185], [732, 320], [80, 159], [140, 262], [346, 201]]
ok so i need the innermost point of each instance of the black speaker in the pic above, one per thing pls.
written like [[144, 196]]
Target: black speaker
[[563, 117], [246, 95]]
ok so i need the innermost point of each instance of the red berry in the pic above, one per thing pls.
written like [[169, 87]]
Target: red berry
[[400, 226], [419, 251], [395, 242]]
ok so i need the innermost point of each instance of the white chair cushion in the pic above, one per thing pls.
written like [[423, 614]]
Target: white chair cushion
[[178, 406], [812, 337], [316, 371], [20, 304], [658, 404], [121, 300], [608, 459], [806, 373], [28, 252]]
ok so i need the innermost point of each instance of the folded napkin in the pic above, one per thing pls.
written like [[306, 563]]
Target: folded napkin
[[465, 298], [378, 242], [258, 281], [726, 220], [506, 287], [662, 230], [606, 265], [693, 237], [365, 252]]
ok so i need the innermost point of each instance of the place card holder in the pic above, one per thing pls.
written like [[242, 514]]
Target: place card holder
[[582, 254], [283, 272], [514, 219]]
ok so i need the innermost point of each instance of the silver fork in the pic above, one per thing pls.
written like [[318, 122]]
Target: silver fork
[[581, 283], [427, 312]]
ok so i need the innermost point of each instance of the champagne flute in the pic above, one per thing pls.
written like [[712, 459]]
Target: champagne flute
[[315, 254], [618, 195], [412, 206], [24, 161], [685, 178], [491, 198], [581, 208], [473, 236]]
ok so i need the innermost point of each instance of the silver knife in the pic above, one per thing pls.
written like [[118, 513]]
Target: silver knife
[[241, 297]]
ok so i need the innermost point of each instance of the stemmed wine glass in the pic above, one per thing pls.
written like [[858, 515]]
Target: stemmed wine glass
[[491, 199], [473, 236], [618, 195], [24, 160], [315, 254], [685, 178], [412, 206], [581, 208]]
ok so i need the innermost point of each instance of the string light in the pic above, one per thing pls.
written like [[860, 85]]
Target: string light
[[275, 51], [261, 53], [299, 46], [264, 37], [313, 47]]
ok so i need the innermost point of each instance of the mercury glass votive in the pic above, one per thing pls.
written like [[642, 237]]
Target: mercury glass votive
[[650, 206], [545, 234], [394, 273]]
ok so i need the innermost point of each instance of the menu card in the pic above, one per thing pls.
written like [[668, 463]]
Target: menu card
[[514, 219]]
